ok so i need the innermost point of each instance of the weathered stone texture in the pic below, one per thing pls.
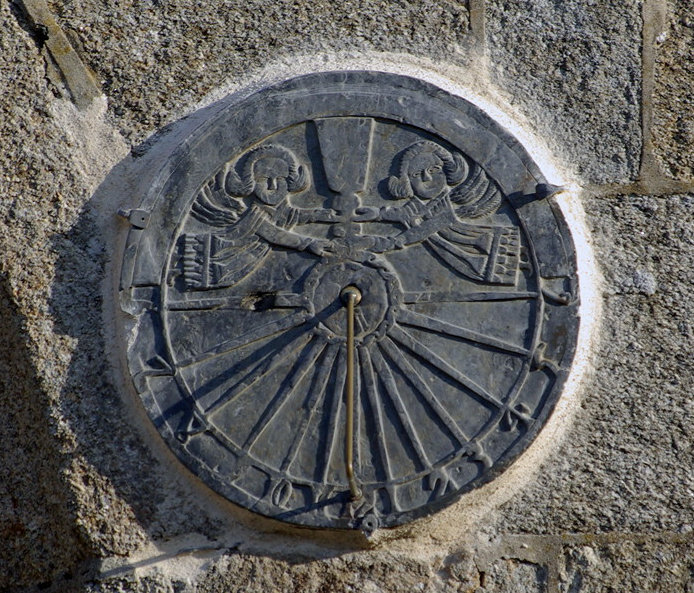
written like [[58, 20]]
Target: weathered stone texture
[[37, 523], [673, 102], [366, 572], [574, 69], [163, 56], [68, 458], [653, 566], [625, 465], [39, 540], [515, 576]]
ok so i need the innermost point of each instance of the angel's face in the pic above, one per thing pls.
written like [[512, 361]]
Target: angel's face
[[426, 175], [270, 175]]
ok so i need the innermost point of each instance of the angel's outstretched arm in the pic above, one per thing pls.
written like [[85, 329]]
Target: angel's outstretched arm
[[305, 215], [284, 238]]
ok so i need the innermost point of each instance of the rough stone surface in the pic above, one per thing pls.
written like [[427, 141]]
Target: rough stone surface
[[578, 64], [62, 492], [180, 50], [375, 572], [625, 464], [673, 104], [37, 512], [37, 522], [653, 566], [514, 575]]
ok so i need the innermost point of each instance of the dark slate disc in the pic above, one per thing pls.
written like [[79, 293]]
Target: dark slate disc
[[236, 337]]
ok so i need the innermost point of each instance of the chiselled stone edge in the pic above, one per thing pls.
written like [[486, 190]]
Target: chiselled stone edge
[[79, 80]]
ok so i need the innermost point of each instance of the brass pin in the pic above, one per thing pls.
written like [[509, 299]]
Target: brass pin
[[350, 296]]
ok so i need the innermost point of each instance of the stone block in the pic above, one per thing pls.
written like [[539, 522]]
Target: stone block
[[654, 566], [574, 70], [673, 101], [178, 51], [38, 528], [39, 538], [514, 576], [367, 572], [625, 463]]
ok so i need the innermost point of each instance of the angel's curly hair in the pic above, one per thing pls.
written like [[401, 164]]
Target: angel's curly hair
[[243, 186], [455, 168]]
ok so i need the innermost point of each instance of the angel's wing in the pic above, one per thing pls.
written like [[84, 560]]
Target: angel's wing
[[215, 207], [476, 196]]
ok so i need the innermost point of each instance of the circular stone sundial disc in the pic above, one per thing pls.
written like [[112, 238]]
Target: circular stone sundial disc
[[232, 278]]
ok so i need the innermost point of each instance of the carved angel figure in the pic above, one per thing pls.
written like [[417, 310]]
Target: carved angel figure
[[445, 192], [254, 211]]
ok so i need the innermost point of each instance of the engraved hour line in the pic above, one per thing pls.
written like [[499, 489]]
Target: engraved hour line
[[376, 407], [262, 370], [254, 359], [358, 416], [423, 352], [260, 333], [420, 385], [279, 301], [314, 393], [335, 412], [411, 298], [310, 353], [184, 388], [436, 325], [391, 389]]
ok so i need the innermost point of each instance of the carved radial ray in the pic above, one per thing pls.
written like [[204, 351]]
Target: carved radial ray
[[391, 389], [412, 344], [308, 356], [262, 370], [335, 414], [436, 325], [254, 358], [245, 302], [423, 389], [264, 331], [360, 321], [193, 414], [315, 392], [453, 296], [370, 387]]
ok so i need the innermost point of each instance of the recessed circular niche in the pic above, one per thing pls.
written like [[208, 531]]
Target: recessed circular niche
[[233, 282]]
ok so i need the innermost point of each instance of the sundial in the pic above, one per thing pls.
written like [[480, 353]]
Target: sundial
[[350, 298]]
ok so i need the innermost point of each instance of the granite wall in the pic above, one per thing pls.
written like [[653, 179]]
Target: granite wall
[[91, 500]]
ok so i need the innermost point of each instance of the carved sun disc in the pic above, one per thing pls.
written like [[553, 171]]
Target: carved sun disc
[[377, 290]]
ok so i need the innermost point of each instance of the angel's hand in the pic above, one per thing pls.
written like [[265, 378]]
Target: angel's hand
[[366, 214], [382, 244], [319, 246]]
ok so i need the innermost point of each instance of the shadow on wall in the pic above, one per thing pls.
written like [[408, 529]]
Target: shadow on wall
[[121, 495], [132, 491], [39, 540]]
